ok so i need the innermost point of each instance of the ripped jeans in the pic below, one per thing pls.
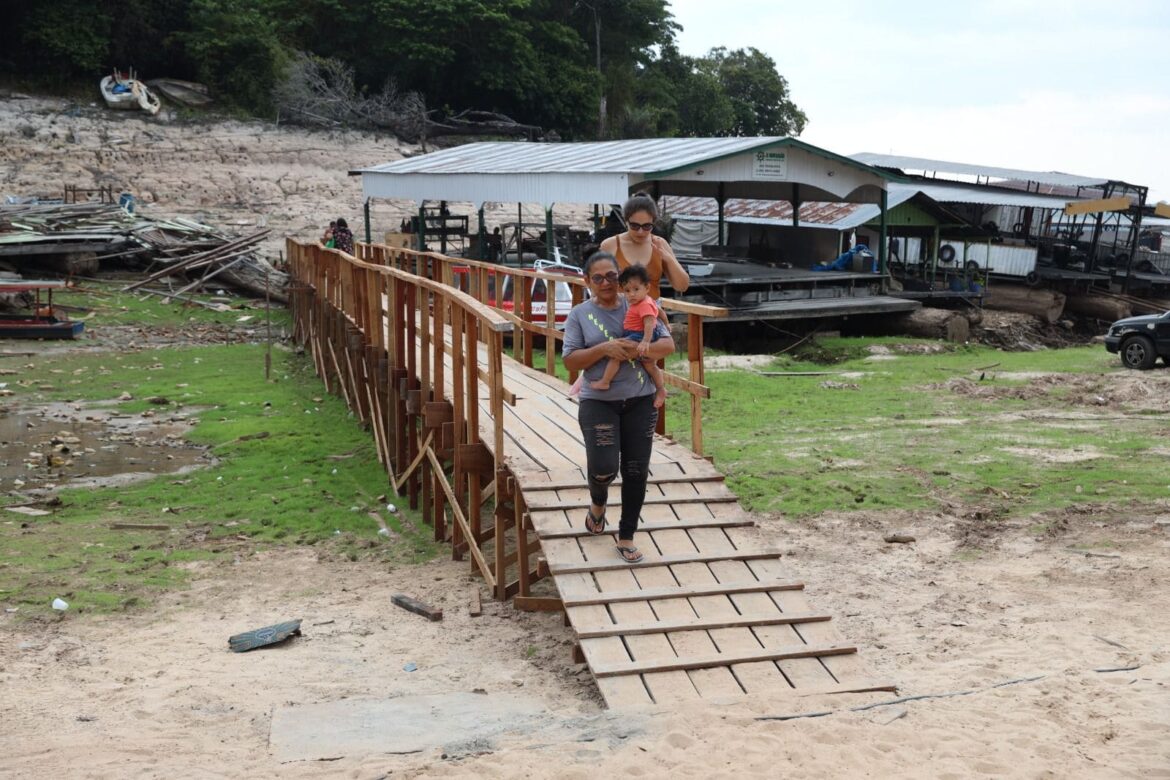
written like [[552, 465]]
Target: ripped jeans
[[619, 434]]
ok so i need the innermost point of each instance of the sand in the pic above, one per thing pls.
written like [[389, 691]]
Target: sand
[[1022, 617], [967, 607]]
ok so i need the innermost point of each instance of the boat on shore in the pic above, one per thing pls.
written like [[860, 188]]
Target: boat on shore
[[185, 93], [40, 320], [125, 92]]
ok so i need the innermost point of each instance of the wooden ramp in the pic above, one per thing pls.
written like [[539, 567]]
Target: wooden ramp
[[490, 451], [709, 614]]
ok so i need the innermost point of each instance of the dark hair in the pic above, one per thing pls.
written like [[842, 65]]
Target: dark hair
[[640, 201], [634, 272], [596, 258], [341, 224]]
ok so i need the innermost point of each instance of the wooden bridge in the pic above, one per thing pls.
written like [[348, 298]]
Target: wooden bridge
[[489, 448]]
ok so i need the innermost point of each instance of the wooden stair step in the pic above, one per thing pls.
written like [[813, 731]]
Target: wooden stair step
[[664, 626]]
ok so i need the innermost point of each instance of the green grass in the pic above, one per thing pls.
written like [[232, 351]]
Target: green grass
[[312, 478], [898, 436], [103, 303]]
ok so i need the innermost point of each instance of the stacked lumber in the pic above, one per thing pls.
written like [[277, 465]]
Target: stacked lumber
[[76, 237]]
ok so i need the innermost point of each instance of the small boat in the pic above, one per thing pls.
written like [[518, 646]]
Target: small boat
[[42, 321], [126, 92], [185, 93]]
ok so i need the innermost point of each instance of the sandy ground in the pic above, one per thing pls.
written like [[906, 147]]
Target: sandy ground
[[970, 607], [965, 608], [235, 175]]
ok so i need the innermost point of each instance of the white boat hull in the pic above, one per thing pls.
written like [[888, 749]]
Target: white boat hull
[[139, 98]]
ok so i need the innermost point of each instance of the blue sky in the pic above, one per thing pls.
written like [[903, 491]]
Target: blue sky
[[1075, 86]]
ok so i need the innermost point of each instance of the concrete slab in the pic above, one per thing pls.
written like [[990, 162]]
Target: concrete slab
[[408, 724]]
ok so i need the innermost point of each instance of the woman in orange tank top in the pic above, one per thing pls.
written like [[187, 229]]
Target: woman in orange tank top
[[639, 246]]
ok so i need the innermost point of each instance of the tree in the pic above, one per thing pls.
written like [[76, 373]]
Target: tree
[[235, 49], [758, 93]]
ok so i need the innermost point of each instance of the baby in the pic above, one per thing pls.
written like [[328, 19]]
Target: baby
[[641, 318]]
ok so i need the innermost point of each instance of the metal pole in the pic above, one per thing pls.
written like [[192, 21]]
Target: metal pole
[[719, 200], [366, 210], [882, 248], [422, 226], [795, 205], [442, 227], [550, 241], [482, 233]]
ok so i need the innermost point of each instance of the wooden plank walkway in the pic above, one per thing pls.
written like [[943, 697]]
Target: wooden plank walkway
[[708, 614]]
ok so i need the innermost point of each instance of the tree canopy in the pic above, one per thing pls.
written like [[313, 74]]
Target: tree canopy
[[550, 63]]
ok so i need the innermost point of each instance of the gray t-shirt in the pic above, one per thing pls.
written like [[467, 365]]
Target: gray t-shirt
[[587, 326]]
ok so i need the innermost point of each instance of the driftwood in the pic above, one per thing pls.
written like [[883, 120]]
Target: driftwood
[[1047, 305], [1098, 307], [481, 123], [935, 324]]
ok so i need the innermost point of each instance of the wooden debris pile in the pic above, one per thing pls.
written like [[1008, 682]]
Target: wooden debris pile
[[76, 237]]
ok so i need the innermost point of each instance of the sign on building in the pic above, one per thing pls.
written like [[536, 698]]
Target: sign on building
[[770, 166]]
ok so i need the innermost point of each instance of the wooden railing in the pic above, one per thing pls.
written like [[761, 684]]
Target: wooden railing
[[482, 280], [410, 352], [376, 335]]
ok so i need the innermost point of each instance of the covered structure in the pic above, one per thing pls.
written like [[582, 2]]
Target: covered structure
[[766, 232], [764, 168], [1082, 228]]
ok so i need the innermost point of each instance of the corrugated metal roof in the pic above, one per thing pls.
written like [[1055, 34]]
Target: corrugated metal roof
[[904, 163], [813, 214], [607, 171], [953, 192], [638, 156]]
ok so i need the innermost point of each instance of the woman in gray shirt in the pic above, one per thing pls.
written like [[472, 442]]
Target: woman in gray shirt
[[617, 423]]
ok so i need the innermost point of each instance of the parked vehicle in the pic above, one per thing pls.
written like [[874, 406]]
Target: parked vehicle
[[41, 320], [562, 292], [1140, 341]]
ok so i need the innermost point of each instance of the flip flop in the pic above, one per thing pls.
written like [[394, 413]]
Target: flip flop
[[629, 553], [593, 524]]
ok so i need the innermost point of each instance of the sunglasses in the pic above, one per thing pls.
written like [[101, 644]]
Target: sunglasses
[[610, 277], [645, 226]]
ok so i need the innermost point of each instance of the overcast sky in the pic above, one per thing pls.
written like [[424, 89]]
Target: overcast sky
[[1075, 86]]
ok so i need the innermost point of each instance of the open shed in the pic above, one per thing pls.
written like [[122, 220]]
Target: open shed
[[608, 172]]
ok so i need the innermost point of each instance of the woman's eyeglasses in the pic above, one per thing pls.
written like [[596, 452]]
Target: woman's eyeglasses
[[644, 226], [610, 277]]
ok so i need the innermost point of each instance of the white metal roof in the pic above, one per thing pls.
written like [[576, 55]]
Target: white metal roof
[[607, 171], [954, 192], [965, 169]]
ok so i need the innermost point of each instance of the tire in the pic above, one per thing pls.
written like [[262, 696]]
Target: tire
[[1018, 229], [1145, 266], [972, 265], [1137, 352], [946, 253], [1032, 279]]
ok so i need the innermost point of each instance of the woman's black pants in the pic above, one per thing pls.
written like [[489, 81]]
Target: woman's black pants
[[619, 435]]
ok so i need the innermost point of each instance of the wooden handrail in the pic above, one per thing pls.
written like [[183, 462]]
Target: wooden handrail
[[479, 275]]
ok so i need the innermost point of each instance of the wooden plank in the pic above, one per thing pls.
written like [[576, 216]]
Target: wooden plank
[[665, 687], [721, 659], [565, 484], [537, 603], [844, 669], [475, 605], [705, 624], [411, 604], [711, 522], [618, 691], [653, 594], [766, 678], [584, 502], [718, 680], [652, 561]]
